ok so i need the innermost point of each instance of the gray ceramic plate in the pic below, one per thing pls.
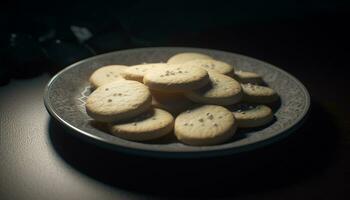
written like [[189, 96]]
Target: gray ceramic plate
[[66, 93]]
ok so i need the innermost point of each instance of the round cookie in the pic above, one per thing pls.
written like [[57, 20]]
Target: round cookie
[[205, 125], [215, 65], [136, 72], [106, 74], [176, 78], [248, 77], [258, 94], [184, 57], [171, 102], [221, 90], [249, 116], [153, 124], [118, 100]]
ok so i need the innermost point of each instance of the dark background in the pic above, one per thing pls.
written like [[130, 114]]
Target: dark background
[[39, 160]]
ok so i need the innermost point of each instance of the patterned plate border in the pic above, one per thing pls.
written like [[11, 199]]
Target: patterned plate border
[[66, 93]]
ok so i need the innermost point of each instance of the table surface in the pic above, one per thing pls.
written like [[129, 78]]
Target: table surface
[[40, 160]]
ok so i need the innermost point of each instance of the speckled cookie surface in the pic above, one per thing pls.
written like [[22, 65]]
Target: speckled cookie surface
[[119, 100], [106, 74], [176, 78], [136, 72], [205, 125], [248, 77], [171, 102], [150, 125], [249, 115], [221, 90], [258, 94], [185, 57], [215, 65]]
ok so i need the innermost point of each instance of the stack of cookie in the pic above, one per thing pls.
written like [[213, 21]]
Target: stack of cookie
[[199, 99]]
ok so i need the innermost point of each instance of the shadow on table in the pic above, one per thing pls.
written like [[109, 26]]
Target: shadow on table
[[302, 155]]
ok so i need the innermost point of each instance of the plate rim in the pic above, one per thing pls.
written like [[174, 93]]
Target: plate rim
[[91, 138]]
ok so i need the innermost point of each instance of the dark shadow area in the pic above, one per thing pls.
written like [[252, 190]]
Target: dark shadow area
[[264, 84], [301, 156], [166, 139], [4, 73], [102, 126], [275, 105]]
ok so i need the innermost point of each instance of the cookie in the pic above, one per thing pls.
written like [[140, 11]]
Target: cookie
[[150, 125], [185, 57], [176, 78], [136, 72], [249, 116], [118, 100], [248, 77], [258, 94], [106, 74], [221, 90], [205, 125], [171, 102], [215, 65]]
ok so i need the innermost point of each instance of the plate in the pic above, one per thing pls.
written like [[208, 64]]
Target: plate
[[67, 91]]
